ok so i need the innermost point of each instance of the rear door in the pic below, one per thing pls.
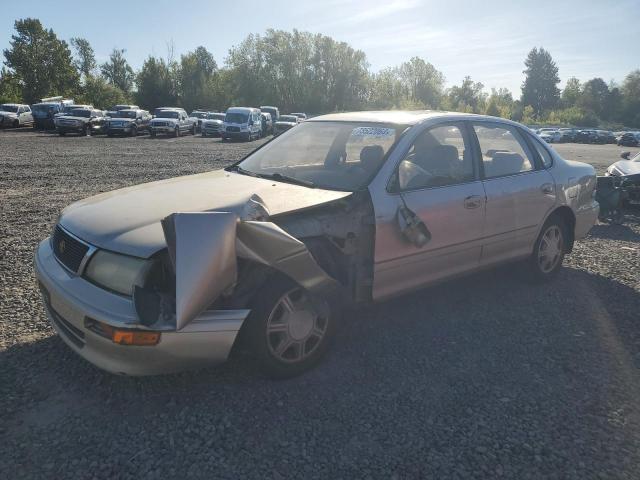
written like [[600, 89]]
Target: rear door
[[438, 181], [520, 192]]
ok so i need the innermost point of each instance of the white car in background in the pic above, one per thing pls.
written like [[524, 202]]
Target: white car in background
[[172, 121], [15, 115], [212, 125], [550, 135]]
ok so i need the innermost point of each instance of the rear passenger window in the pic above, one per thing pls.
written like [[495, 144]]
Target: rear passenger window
[[542, 151], [503, 150], [438, 157]]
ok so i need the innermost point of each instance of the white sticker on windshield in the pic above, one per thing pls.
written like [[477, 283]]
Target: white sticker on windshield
[[374, 132]]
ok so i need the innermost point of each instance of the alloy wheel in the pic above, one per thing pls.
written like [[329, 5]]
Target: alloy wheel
[[550, 249], [296, 327]]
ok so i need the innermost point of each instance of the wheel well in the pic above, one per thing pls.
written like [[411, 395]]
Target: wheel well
[[569, 219]]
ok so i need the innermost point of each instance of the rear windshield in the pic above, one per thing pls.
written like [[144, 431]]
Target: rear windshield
[[199, 114]]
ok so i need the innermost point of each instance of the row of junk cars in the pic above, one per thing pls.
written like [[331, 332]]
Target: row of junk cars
[[63, 115], [598, 137]]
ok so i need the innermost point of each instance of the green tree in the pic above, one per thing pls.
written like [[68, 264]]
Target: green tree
[[118, 72], [157, 84], [540, 87], [85, 60], [571, 93], [500, 103], [40, 61], [197, 80], [101, 94], [631, 99], [595, 97], [468, 97], [423, 82], [10, 88]]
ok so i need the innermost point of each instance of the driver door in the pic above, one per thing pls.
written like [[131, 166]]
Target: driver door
[[438, 182]]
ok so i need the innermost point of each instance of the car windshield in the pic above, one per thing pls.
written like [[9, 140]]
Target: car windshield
[[216, 116], [331, 155], [287, 118], [167, 114], [236, 117], [9, 108], [80, 113], [43, 108], [123, 114], [199, 114]]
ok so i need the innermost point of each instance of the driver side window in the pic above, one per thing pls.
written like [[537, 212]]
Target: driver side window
[[437, 158]]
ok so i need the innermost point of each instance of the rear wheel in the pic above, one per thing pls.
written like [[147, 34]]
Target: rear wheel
[[288, 330], [549, 250], [193, 130]]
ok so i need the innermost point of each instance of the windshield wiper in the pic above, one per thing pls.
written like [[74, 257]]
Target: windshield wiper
[[288, 179], [239, 169]]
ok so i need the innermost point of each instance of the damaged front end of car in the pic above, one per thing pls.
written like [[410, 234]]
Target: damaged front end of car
[[216, 261]]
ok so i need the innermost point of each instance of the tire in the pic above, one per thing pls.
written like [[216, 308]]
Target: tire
[[16, 124], [176, 132], [288, 330], [86, 131], [152, 134], [549, 250], [193, 130], [203, 134], [134, 132]]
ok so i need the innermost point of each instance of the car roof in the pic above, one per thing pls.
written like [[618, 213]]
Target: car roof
[[402, 117], [241, 109], [14, 105]]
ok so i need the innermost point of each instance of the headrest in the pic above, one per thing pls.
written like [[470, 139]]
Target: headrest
[[505, 163], [371, 157]]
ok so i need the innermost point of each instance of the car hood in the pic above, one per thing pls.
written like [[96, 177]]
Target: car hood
[[210, 120], [627, 167], [128, 220], [287, 124], [69, 117]]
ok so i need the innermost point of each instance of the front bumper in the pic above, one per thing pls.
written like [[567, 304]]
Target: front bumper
[[241, 135], [211, 131], [162, 129], [70, 300], [585, 219]]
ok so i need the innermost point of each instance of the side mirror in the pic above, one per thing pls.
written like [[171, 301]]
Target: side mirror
[[625, 155]]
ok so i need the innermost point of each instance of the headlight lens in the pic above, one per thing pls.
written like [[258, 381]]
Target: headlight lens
[[117, 272]]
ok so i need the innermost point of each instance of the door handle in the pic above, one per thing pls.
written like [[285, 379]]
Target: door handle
[[473, 201], [547, 188]]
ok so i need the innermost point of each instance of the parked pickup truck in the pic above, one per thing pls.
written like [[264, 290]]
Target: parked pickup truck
[[212, 126], [15, 115], [82, 120], [172, 121], [127, 122]]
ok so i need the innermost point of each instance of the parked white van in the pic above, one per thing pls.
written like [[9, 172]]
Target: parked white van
[[242, 122]]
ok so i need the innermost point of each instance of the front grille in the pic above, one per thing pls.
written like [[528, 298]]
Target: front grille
[[67, 249], [160, 124], [233, 129]]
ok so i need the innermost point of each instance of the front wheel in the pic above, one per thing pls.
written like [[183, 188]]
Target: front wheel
[[134, 131], [193, 131], [549, 250], [176, 132], [288, 330]]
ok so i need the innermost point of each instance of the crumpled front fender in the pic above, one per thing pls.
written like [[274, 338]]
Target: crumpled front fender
[[204, 247]]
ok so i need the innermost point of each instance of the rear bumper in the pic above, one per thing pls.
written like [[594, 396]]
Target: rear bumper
[[70, 300], [586, 217]]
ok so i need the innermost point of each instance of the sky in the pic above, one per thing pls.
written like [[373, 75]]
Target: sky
[[487, 40]]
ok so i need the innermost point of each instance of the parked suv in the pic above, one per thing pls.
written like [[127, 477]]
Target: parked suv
[[629, 139], [242, 122], [212, 126], [284, 123], [45, 112], [172, 121], [273, 111], [127, 122], [81, 120], [15, 115], [199, 115]]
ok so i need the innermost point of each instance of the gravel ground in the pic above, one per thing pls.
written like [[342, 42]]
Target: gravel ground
[[484, 377]]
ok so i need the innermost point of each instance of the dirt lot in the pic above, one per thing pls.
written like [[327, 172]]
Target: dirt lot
[[484, 377]]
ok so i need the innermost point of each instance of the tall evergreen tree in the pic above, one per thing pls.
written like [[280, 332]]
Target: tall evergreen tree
[[540, 87], [118, 72]]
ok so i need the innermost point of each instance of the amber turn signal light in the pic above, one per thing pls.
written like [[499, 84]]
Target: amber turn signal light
[[123, 336]]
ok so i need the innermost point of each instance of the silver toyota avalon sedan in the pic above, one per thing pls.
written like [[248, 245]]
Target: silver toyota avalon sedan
[[344, 209]]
